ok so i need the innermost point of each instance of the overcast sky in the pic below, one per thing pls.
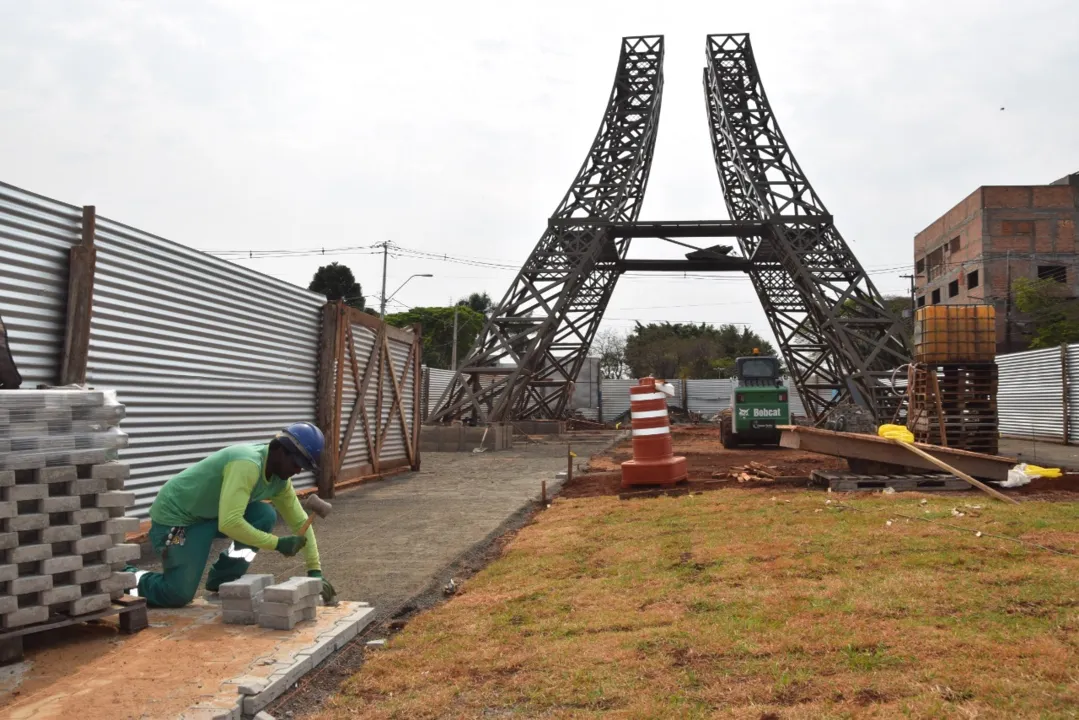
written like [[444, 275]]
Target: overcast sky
[[457, 127]]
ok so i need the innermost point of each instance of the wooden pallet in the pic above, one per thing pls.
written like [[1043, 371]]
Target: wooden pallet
[[133, 618], [954, 405], [851, 482]]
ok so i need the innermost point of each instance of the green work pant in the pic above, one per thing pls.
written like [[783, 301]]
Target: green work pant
[[184, 552]]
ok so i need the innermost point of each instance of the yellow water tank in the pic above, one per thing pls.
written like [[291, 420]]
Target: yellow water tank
[[955, 334]]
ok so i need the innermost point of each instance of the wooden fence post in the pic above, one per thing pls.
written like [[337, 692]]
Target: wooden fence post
[[329, 421], [1065, 384], [82, 262]]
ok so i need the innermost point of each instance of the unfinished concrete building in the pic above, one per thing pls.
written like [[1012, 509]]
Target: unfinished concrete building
[[996, 235]]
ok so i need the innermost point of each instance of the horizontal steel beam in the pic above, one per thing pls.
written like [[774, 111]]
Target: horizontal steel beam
[[689, 228], [734, 264]]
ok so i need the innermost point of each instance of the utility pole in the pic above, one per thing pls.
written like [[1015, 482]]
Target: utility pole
[[913, 307], [385, 251], [453, 362]]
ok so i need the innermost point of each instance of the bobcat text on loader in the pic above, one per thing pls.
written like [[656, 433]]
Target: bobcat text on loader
[[758, 404]]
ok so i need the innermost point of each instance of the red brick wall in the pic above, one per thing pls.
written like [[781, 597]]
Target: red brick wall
[[1034, 225]]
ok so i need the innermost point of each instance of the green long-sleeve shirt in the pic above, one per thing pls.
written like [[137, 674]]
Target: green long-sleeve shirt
[[220, 488]]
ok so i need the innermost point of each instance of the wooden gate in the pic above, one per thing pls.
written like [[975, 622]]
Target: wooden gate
[[369, 397]]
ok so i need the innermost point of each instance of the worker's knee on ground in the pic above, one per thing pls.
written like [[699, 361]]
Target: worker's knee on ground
[[173, 590], [261, 516]]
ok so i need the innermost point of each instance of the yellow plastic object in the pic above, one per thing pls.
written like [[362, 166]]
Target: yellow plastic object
[[955, 333], [895, 432], [1042, 472]]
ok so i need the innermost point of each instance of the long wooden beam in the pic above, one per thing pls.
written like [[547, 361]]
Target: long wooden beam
[[883, 450]]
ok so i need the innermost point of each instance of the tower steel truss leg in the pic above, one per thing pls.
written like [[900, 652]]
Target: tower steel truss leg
[[546, 322], [833, 330]]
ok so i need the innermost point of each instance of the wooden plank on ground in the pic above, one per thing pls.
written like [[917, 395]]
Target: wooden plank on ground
[[878, 449]]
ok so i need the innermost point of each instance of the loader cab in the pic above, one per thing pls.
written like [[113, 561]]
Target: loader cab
[[757, 371], [759, 403]]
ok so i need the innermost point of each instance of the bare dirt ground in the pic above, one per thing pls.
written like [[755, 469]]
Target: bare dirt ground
[[705, 456]]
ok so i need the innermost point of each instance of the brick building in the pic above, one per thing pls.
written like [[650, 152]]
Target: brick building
[[996, 235]]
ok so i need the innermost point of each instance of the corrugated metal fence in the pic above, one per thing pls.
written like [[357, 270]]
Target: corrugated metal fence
[[707, 397], [203, 352], [36, 235], [1030, 394]]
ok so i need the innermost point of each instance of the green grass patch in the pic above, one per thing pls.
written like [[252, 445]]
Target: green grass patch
[[742, 603]]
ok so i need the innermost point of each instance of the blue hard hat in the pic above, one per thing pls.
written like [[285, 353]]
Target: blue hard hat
[[304, 442]]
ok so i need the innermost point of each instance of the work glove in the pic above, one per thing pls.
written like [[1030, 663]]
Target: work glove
[[290, 544], [329, 595]]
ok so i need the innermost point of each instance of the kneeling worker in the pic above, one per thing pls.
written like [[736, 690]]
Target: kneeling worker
[[222, 496]]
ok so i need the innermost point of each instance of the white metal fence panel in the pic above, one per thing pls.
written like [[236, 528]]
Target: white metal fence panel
[[708, 397], [393, 446], [795, 400], [1073, 393], [1030, 395], [357, 454], [616, 397], [586, 388], [437, 382], [36, 235], [203, 353]]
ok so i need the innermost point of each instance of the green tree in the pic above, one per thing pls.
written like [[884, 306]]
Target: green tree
[[437, 328], [1054, 314], [690, 351], [337, 282], [610, 346], [480, 302]]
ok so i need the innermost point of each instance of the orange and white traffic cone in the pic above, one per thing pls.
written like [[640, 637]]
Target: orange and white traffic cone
[[653, 460]]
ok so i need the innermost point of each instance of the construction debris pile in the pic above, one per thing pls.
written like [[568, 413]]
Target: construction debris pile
[[850, 417], [62, 514], [753, 472]]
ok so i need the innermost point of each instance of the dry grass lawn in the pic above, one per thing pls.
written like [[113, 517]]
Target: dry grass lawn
[[754, 604]]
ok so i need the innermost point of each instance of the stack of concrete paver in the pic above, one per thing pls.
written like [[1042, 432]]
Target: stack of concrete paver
[[287, 603], [62, 505], [241, 599]]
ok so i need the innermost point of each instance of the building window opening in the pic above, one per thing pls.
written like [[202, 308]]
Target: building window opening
[[921, 301], [972, 280], [953, 246], [919, 267], [936, 296], [953, 288], [1056, 273]]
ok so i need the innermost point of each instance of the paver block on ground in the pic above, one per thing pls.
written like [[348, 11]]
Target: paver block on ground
[[245, 587], [293, 590]]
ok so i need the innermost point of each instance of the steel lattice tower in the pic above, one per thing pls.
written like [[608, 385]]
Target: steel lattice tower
[[546, 322], [829, 319], [835, 335]]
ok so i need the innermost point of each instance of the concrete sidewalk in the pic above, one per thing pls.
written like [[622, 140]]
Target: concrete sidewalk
[[1041, 453], [387, 541]]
